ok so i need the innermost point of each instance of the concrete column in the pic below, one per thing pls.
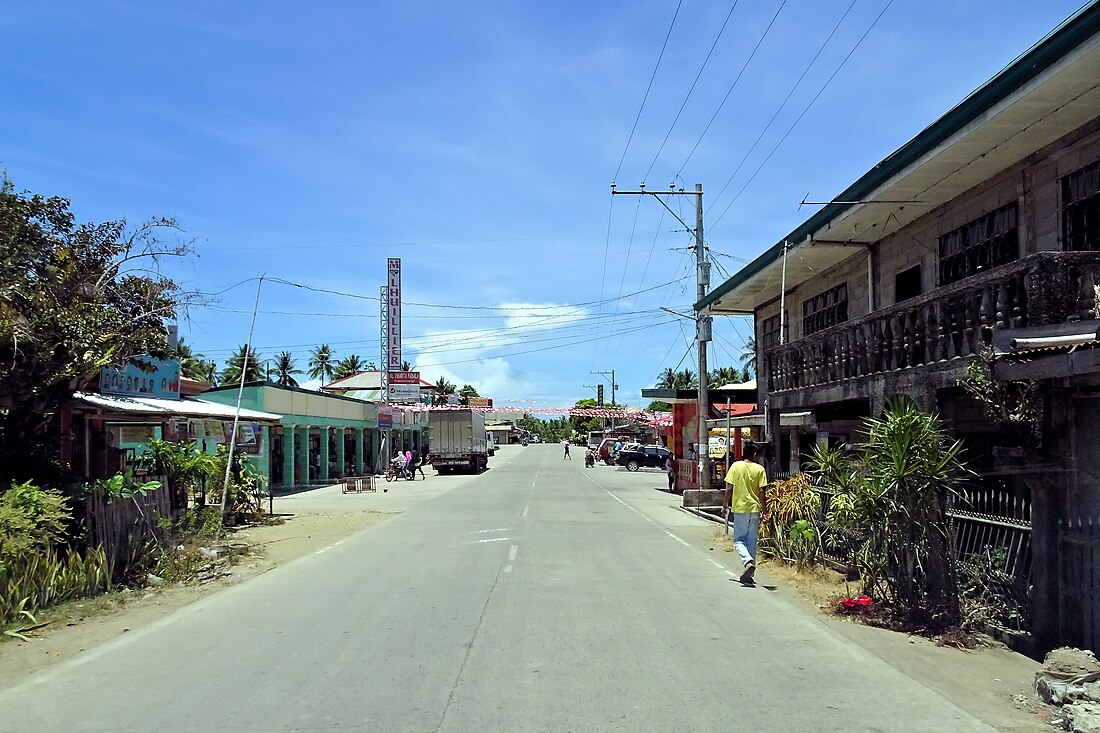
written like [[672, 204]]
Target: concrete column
[[340, 458], [288, 455], [324, 437], [360, 469], [303, 454]]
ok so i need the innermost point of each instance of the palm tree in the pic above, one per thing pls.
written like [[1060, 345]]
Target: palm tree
[[205, 371], [371, 367], [725, 375], [443, 388], [285, 368], [348, 366], [686, 379], [320, 363], [667, 380], [191, 364], [246, 360], [406, 366], [748, 354]]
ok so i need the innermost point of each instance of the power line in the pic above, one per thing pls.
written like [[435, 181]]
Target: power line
[[692, 89], [783, 103], [730, 90], [803, 113], [648, 88]]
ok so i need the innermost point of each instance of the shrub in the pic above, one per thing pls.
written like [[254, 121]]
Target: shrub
[[44, 577], [891, 495], [787, 530], [31, 520]]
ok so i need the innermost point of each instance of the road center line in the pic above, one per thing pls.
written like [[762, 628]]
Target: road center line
[[525, 510], [507, 568], [493, 539], [498, 529], [512, 553]]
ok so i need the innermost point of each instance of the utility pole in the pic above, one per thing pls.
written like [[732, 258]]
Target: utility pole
[[613, 386], [702, 319]]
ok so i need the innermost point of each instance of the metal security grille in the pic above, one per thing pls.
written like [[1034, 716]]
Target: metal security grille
[[1081, 209], [988, 241], [825, 310]]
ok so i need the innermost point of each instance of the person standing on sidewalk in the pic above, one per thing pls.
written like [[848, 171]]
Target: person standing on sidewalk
[[746, 479], [670, 469], [566, 444]]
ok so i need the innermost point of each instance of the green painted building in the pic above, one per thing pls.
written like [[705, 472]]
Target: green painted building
[[322, 437]]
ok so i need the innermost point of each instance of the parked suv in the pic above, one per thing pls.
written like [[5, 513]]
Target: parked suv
[[643, 456]]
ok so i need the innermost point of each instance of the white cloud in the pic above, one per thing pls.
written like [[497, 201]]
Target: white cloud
[[467, 355]]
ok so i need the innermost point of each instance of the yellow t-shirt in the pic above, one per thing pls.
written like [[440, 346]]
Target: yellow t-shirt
[[746, 478]]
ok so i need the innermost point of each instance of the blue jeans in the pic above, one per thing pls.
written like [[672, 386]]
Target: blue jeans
[[746, 528]]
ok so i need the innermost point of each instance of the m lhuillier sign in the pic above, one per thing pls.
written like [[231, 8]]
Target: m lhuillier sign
[[404, 386], [393, 270]]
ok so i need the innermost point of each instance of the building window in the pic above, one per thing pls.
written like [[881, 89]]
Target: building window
[[825, 310], [907, 284], [988, 241], [1081, 209], [769, 331]]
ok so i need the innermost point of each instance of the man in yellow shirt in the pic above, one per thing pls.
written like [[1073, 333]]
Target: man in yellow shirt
[[746, 479]]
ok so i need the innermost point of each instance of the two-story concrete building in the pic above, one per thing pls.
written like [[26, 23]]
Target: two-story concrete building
[[984, 229]]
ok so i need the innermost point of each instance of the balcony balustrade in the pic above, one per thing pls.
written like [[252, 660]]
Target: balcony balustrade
[[948, 323]]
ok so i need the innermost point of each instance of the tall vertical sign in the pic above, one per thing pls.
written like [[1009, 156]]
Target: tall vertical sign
[[393, 285]]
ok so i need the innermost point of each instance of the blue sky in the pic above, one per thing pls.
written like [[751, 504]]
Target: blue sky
[[476, 141]]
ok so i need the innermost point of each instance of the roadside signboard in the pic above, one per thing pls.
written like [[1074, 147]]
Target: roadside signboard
[[404, 386], [393, 283], [385, 417], [482, 402], [143, 376]]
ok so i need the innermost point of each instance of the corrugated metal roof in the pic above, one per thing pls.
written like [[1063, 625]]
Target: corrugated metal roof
[[183, 408]]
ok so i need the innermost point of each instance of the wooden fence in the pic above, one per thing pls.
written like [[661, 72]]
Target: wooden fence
[[1079, 582], [112, 523]]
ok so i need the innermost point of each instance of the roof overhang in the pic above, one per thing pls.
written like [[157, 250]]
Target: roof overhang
[[1046, 93], [152, 406]]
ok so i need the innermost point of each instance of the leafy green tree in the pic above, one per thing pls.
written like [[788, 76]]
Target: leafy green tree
[[467, 392], [725, 375], [285, 369], [583, 424], [672, 379], [347, 367], [659, 406], [371, 367], [74, 298], [321, 364], [207, 371], [406, 366], [443, 389], [249, 362]]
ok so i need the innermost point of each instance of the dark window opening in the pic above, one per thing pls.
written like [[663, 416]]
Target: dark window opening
[[769, 331], [825, 310], [1081, 210], [907, 284], [989, 241]]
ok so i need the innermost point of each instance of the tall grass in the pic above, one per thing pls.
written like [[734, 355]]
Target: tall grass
[[33, 581]]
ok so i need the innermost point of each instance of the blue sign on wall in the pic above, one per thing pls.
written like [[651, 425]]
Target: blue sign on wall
[[143, 376]]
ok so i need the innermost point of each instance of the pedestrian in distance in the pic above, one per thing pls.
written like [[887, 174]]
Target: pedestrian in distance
[[746, 479], [409, 465], [670, 469], [418, 464], [566, 444]]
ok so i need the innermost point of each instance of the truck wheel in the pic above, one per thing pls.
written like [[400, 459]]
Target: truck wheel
[[632, 465]]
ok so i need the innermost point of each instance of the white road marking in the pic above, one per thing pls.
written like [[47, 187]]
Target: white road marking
[[498, 529], [525, 509], [507, 568], [492, 539], [685, 544], [320, 551], [334, 544], [512, 553]]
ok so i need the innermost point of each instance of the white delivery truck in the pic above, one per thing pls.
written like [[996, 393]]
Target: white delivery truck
[[458, 441]]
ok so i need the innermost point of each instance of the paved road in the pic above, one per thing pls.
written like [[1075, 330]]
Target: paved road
[[539, 596]]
